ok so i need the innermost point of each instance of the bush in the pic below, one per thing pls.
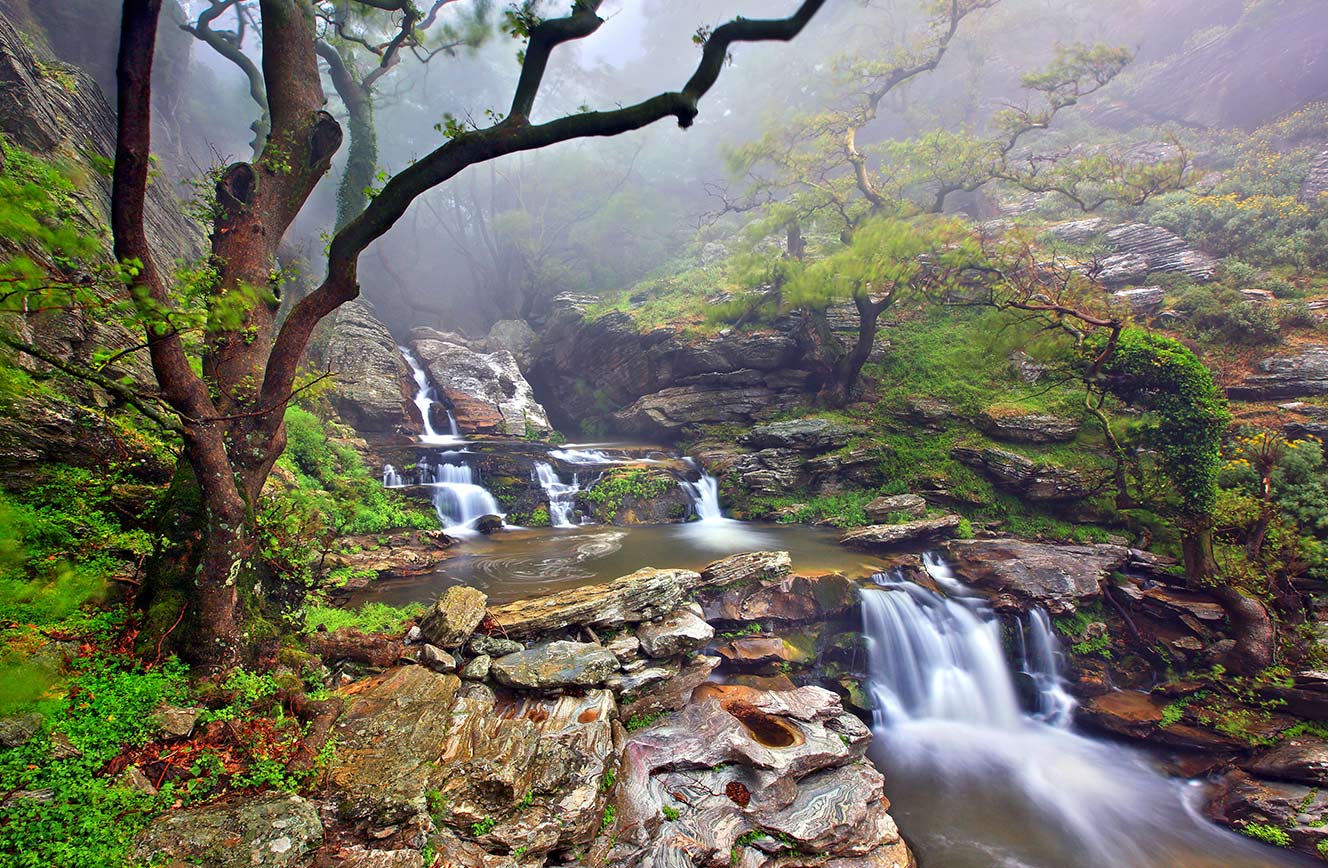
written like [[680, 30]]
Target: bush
[[1225, 316]]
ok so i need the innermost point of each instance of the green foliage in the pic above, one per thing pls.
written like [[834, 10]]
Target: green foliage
[[610, 813], [483, 827], [1266, 833], [1223, 316], [610, 778], [374, 618], [670, 813], [621, 484], [1190, 412], [641, 721], [846, 509]]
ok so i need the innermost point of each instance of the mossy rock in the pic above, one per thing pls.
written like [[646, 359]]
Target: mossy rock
[[636, 495]]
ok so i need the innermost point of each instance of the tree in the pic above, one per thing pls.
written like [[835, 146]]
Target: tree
[[229, 412]]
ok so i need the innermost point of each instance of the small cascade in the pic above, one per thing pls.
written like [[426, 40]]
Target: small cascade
[[704, 494], [1040, 661], [561, 495], [457, 497], [583, 456], [940, 573], [391, 478], [425, 398]]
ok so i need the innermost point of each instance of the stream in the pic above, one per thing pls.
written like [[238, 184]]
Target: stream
[[973, 732]]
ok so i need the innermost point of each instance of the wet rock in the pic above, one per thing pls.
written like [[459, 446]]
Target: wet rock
[[1300, 759], [882, 509], [1055, 576], [804, 435], [477, 668], [748, 567], [791, 598], [453, 617], [172, 721], [625, 646], [757, 650], [1296, 809], [886, 535], [643, 679], [645, 594], [436, 658], [556, 664], [672, 694], [625, 496], [1303, 374], [494, 646], [1022, 476], [1140, 716], [371, 388], [676, 633], [487, 391], [269, 830], [489, 524], [1016, 427]]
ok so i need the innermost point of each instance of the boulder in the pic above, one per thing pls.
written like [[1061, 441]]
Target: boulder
[[759, 650], [371, 389], [804, 435], [1142, 250], [436, 658], [790, 598], [1295, 809], [267, 830], [1044, 574], [556, 664], [19, 729], [672, 694], [456, 614], [1142, 301], [634, 495], [1301, 760], [641, 596], [487, 391], [676, 633], [516, 337], [1019, 427], [1023, 477], [882, 509], [887, 535], [494, 646], [1304, 374], [477, 668], [172, 721]]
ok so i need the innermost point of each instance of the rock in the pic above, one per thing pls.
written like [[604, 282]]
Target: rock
[[1142, 250], [1078, 231], [886, 535], [371, 386], [18, 730], [1314, 192], [489, 524], [414, 634], [749, 567], [62, 748], [1304, 374], [437, 659], [667, 412], [1055, 576], [633, 495], [494, 646], [556, 664], [789, 764], [882, 509], [399, 554], [269, 830], [1143, 301], [792, 598], [804, 435], [1297, 810], [477, 668], [1301, 760], [1135, 715], [133, 778], [453, 617], [487, 392], [676, 633], [625, 646], [672, 694], [1031, 480], [516, 337], [1018, 427], [174, 722], [758, 650], [645, 594], [643, 679]]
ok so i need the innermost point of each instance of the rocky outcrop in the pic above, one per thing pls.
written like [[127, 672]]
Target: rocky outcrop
[[1141, 250], [641, 596], [1054, 576], [882, 509], [402, 553], [745, 777], [800, 455], [805, 435], [1295, 809], [556, 664], [634, 495], [269, 830], [1019, 427], [1304, 374], [1299, 760], [1141, 301], [372, 384], [1314, 192], [1023, 477], [735, 399], [487, 392], [516, 337], [891, 535]]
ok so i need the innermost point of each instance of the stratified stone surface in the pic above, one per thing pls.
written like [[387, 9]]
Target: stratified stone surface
[[270, 830]]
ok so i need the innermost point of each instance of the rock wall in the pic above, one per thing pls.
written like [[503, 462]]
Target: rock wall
[[373, 388], [487, 392]]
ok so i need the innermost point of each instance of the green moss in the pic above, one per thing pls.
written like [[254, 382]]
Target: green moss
[[369, 618], [1267, 833], [623, 484]]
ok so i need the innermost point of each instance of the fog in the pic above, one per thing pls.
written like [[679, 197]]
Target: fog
[[597, 216]]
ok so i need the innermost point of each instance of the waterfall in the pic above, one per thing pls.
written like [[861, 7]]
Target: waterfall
[[704, 494], [457, 497], [391, 478], [562, 496], [976, 782], [425, 399], [583, 456]]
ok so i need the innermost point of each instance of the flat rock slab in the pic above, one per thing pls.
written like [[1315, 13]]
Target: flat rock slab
[[641, 596], [556, 664], [678, 632], [269, 830], [1299, 760], [888, 535], [1056, 576]]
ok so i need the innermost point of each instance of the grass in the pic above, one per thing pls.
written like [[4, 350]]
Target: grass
[[369, 618]]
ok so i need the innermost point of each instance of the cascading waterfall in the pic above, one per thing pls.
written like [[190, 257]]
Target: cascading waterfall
[[562, 496], [424, 400], [391, 478], [960, 753], [704, 494], [457, 497]]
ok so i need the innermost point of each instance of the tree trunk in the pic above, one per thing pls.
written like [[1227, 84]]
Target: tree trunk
[[849, 368], [1250, 624]]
